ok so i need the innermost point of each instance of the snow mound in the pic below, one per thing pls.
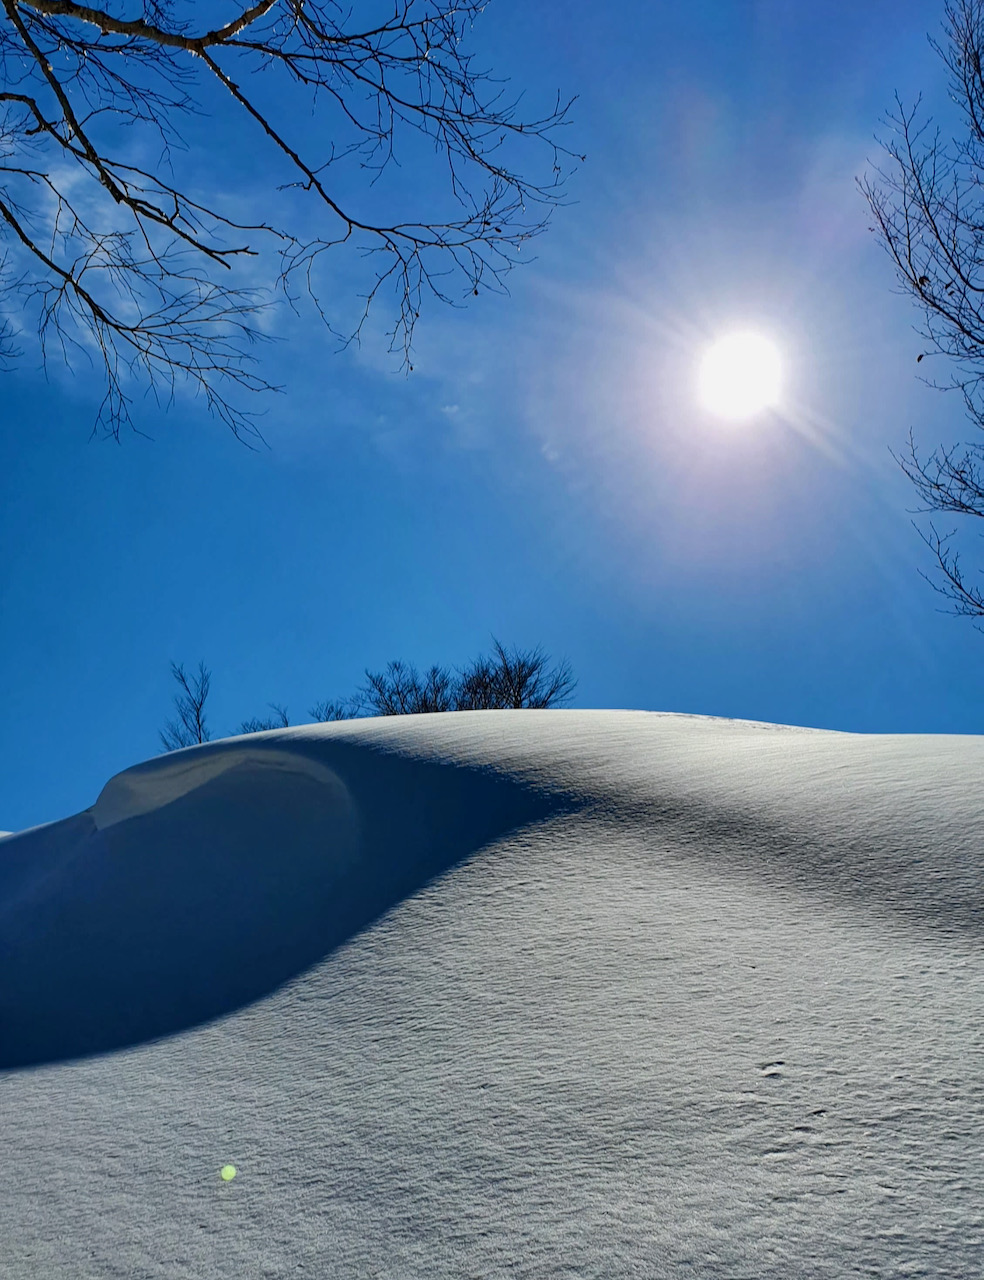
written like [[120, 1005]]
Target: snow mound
[[502, 994]]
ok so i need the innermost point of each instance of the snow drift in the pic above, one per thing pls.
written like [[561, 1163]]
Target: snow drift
[[204, 879], [502, 993]]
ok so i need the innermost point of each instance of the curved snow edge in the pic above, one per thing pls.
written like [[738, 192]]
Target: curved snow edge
[[149, 786]]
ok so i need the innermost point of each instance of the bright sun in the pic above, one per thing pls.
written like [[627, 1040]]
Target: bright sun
[[740, 376]]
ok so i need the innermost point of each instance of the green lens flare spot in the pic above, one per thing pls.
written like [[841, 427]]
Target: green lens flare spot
[[228, 1172]]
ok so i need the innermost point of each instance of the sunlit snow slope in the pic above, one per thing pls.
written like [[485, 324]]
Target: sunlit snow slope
[[488, 994]]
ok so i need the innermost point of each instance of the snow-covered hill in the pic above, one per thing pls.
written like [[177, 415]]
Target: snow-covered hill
[[525, 994]]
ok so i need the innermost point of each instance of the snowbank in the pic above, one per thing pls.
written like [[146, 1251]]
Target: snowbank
[[502, 993]]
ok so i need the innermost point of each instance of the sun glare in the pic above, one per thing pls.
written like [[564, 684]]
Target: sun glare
[[740, 376]]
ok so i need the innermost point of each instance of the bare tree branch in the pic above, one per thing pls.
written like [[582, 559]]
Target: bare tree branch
[[131, 264], [966, 601], [928, 209], [146, 30]]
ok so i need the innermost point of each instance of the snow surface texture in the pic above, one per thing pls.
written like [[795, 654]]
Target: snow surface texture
[[488, 994]]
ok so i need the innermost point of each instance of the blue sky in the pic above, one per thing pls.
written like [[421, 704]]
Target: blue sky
[[546, 474]]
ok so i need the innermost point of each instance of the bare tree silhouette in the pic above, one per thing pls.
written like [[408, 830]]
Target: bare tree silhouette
[[399, 690], [504, 680], [522, 678], [190, 727], [280, 720], [344, 709], [928, 209], [121, 258]]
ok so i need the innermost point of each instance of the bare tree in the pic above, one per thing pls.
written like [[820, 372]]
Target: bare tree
[[400, 690], [504, 680], [928, 207], [522, 678], [190, 727], [280, 720], [120, 256], [346, 709]]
